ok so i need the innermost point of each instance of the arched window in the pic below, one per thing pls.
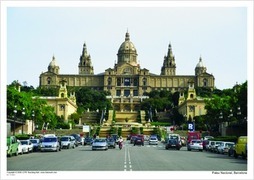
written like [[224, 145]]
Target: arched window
[[144, 81], [49, 80], [109, 81], [205, 82]]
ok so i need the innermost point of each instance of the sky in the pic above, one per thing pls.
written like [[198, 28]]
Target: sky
[[217, 34]]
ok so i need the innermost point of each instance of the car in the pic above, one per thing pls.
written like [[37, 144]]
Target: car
[[27, 146], [116, 137], [50, 144], [153, 140], [173, 143], [195, 144], [78, 139], [214, 148], [132, 140], [224, 147], [241, 147], [67, 142], [12, 146], [100, 144], [208, 137], [111, 142], [36, 144], [139, 140], [88, 141]]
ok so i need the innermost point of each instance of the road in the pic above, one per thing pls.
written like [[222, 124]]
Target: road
[[130, 158]]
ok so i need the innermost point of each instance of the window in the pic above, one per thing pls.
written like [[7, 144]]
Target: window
[[127, 81], [109, 81], [49, 80], [205, 82], [144, 81], [118, 81]]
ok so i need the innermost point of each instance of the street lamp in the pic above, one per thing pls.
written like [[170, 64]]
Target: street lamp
[[33, 122], [14, 125], [23, 113]]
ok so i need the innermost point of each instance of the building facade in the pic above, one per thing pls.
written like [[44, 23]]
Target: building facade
[[127, 81]]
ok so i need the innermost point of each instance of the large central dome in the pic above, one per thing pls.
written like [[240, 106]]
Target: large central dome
[[127, 52]]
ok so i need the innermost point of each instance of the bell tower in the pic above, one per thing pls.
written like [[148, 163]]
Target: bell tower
[[85, 64], [169, 65]]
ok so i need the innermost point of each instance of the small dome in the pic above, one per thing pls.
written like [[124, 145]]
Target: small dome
[[200, 63], [53, 62]]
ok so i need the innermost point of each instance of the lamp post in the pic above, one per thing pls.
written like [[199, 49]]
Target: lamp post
[[14, 125], [33, 121], [23, 113], [230, 115], [239, 113]]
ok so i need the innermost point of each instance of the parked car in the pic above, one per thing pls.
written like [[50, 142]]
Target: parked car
[[50, 144], [27, 146], [173, 143], [195, 144], [100, 144], [241, 147], [111, 142], [153, 140], [139, 141], [12, 146], [36, 144], [224, 147], [215, 146], [67, 142], [88, 141], [208, 137]]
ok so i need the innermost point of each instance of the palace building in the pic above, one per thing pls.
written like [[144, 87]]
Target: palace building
[[127, 81]]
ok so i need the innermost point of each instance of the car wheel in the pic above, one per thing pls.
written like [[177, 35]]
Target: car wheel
[[17, 152]]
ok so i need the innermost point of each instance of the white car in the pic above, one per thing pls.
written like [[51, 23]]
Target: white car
[[153, 140], [67, 142], [195, 144], [224, 147], [27, 146]]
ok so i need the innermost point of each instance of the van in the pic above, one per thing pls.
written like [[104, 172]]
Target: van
[[241, 147], [12, 146], [193, 135]]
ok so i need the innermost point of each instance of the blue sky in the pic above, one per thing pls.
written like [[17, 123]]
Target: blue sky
[[217, 34]]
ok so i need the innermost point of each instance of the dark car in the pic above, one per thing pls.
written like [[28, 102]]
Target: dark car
[[111, 142], [88, 141], [139, 141], [132, 140], [36, 144], [78, 139], [115, 137], [173, 144]]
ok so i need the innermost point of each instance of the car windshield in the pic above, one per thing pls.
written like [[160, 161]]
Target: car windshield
[[34, 141], [153, 138], [196, 141], [24, 142], [99, 140], [65, 138], [49, 139]]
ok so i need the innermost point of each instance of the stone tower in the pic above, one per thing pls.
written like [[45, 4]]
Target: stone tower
[[169, 65], [85, 65]]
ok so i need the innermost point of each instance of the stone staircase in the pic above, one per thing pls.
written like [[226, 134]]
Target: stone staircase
[[91, 117], [126, 117]]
